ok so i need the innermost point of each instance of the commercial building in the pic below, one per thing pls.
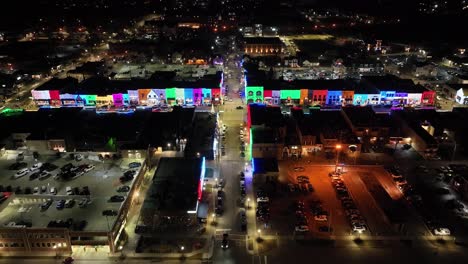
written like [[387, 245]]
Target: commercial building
[[259, 46], [370, 90], [100, 91], [176, 192]]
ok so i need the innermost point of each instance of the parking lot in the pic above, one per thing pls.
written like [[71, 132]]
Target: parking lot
[[436, 201], [307, 199], [100, 177]]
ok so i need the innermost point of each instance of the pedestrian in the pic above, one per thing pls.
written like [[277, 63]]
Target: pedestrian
[[84, 249], [95, 248]]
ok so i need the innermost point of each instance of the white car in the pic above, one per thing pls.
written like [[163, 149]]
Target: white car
[[441, 231], [36, 166], [53, 190], [359, 228], [69, 190], [302, 228], [263, 200], [321, 217], [21, 173], [89, 168], [36, 190]]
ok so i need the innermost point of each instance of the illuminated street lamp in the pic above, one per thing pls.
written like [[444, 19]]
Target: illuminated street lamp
[[259, 232], [338, 150], [248, 203]]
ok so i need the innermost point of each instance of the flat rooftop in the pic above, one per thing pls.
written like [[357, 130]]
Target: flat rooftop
[[366, 117], [176, 185]]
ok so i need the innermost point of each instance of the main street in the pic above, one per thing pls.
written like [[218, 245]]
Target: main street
[[230, 165]]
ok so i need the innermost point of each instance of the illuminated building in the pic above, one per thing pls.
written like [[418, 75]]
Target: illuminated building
[[101, 91], [263, 46], [370, 90]]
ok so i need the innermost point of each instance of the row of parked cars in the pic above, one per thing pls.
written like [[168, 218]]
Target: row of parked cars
[[263, 206], [70, 171], [37, 170], [302, 185], [61, 203], [414, 199], [355, 218]]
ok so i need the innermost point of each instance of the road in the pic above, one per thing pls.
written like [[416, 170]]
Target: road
[[230, 166]]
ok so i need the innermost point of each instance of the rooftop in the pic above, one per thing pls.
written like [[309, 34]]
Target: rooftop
[[175, 187], [261, 114], [263, 165], [366, 117]]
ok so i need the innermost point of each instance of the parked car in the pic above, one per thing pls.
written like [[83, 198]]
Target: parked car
[[60, 204], [69, 203], [441, 231], [83, 203], [133, 165], [45, 205], [109, 213], [44, 175], [123, 188], [34, 175], [18, 166], [69, 190], [225, 242], [21, 173], [301, 228], [36, 166], [116, 198], [53, 190]]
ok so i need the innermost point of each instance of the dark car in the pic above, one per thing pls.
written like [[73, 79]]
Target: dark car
[[225, 243], [116, 198], [48, 167], [109, 213], [239, 107], [133, 165], [219, 211], [67, 167], [34, 176], [123, 188], [18, 166], [60, 204], [68, 260], [46, 204]]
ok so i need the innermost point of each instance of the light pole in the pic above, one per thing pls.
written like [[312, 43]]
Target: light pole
[[248, 203], [338, 149], [259, 232]]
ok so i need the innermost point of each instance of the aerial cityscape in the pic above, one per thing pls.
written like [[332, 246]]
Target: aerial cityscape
[[234, 131]]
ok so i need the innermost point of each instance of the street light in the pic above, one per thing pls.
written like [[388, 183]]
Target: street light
[[182, 248], [338, 149], [248, 203]]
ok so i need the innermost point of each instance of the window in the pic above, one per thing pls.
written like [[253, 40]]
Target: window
[[258, 93], [250, 93]]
